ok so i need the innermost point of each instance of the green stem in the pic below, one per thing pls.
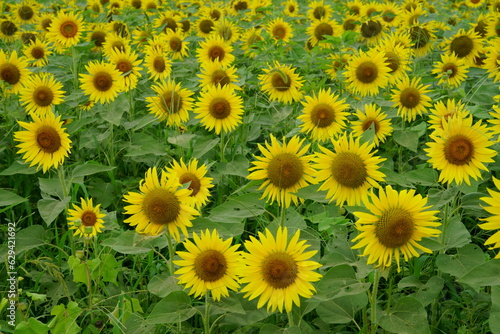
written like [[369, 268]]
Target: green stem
[[282, 216], [389, 293], [206, 318], [373, 301], [62, 180], [89, 280], [290, 319], [171, 254]]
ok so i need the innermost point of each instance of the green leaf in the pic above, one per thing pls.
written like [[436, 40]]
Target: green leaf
[[174, 308], [238, 166], [235, 209], [229, 304], [494, 321], [203, 145], [32, 326], [341, 310], [426, 177], [64, 321], [109, 268], [131, 242], [30, 237], [312, 192], [341, 281], [273, 329], [430, 291], [183, 140], [51, 208], [163, 284], [393, 178], [457, 234], [89, 169], [486, 274], [36, 296], [18, 168], [143, 144], [225, 229], [407, 316], [8, 198], [467, 258], [439, 198], [407, 138], [51, 187], [116, 109]]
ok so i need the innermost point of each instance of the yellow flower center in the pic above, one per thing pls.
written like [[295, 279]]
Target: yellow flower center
[[161, 206], [68, 29], [323, 29], [285, 170], [349, 170], [410, 97], [219, 77], [48, 139], [195, 184], [43, 96], [279, 270], [10, 73], [219, 108], [216, 52], [171, 102], [102, 81], [458, 150], [462, 46], [322, 115], [88, 218], [367, 72], [395, 227], [210, 265]]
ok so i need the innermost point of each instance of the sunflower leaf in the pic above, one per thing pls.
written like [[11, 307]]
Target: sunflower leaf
[[173, 309], [407, 316]]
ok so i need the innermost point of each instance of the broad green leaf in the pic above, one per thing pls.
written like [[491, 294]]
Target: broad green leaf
[[311, 192], [116, 109], [18, 168], [143, 144], [174, 308], [183, 140], [397, 179], [235, 209], [131, 242], [225, 229], [439, 198], [238, 166], [36, 296], [424, 177], [407, 316], [64, 321], [467, 258], [32, 326], [341, 310], [457, 234], [407, 138], [230, 304], [486, 274], [494, 321], [51, 187], [273, 329], [50, 209], [472, 202], [203, 145], [89, 169], [341, 281], [8, 198], [109, 268], [30, 237], [430, 291], [163, 284]]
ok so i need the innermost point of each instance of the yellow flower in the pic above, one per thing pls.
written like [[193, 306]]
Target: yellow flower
[[86, 219], [367, 73], [66, 29], [493, 221], [103, 83], [40, 93], [215, 48], [281, 83], [372, 118], [410, 98]]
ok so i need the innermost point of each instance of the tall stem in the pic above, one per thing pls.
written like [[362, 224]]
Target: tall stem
[[206, 318], [171, 254], [290, 319], [282, 216], [373, 302], [65, 193]]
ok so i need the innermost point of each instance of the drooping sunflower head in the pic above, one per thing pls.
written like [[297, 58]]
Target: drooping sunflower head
[[396, 223], [278, 271], [284, 168], [86, 219], [162, 205], [44, 142], [209, 264]]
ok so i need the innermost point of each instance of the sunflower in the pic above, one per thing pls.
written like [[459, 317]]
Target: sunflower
[[97, 35], [474, 3], [321, 28], [168, 20], [493, 221], [204, 26], [444, 110], [281, 83], [171, 102], [284, 169], [249, 40], [66, 29], [86, 219], [158, 65], [372, 31], [219, 109], [460, 150], [465, 45], [103, 83], [355, 7], [494, 6], [411, 17], [291, 8], [161, 204], [40, 92], [26, 12], [396, 223], [390, 12], [141, 36], [324, 115], [422, 38], [350, 23], [13, 71], [209, 264], [410, 99], [214, 48], [227, 30], [94, 7], [318, 10], [37, 52], [176, 46], [194, 176], [349, 172], [213, 74], [120, 28], [128, 64], [278, 270], [9, 30], [450, 70], [367, 73], [495, 121], [372, 118], [44, 21], [280, 30], [492, 60], [481, 25], [44, 143], [114, 41], [397, 58]]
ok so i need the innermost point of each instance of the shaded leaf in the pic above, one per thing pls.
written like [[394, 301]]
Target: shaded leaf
[[407, 316], [8, 198], [174, 308], [50, 209]]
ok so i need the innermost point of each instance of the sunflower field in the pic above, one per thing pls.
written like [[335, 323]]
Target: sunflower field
[[249, 166]]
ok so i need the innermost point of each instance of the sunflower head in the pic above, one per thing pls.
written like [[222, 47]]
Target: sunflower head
[[86, 219]]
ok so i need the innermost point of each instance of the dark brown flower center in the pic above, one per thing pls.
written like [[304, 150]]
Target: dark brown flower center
[[28, 37], [481, 28], [216, 52], [175, 44], [459, 150], [349, 24], [46, 23], [370, 29], [8, 28], [395, 227], [285, 170], [355, 10], [323, 29], [206, 26], [367, 72], [367, 123], [279, 31], [215, 14], [462, 46], [410, 97], [102, 81], [210, 265], [151, 5], [219, 108], [99, 37], [279, 270], [37, 52], [281, 81], [193, 180], [219, 77], [43, 96], [322, 115], [392, 61], [419, 37], [450, 69], [69, 29], [136, 4], [349, 170], [388, 16], [120, 28], [26, 13], [10, 73], [169, 24], [48, 139], [124, 66], [161, 206], [319, 12], [118, 46], [171, 102], [186, 25], [88, 218], [159, 64]]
